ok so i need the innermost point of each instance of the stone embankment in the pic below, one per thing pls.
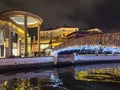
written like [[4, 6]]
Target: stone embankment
[[51, 61], [25, 63]]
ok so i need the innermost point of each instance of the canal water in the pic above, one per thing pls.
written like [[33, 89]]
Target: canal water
[[81, 77]]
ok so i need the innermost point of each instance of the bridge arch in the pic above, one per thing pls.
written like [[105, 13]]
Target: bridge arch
[[87, 49], [107, 42]]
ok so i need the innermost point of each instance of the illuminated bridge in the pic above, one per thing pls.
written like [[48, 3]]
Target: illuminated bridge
[[91, 44]]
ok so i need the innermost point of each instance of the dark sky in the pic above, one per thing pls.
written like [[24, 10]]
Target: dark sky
[[104, 14]]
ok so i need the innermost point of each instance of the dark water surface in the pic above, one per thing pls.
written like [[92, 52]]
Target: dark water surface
[[82, 77]]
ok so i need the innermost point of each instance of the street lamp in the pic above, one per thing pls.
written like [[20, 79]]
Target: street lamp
[[50, 41]]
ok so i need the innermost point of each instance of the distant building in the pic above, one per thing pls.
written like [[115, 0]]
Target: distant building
[[82, 33], [57, 35]]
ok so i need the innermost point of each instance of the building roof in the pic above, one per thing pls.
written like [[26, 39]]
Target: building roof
[[18, 17]]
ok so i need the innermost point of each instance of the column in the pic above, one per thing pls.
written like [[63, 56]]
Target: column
[[25, 28], [10, 43], [38, 31]]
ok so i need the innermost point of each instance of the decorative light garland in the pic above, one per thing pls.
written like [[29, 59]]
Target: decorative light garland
[[87, 48]]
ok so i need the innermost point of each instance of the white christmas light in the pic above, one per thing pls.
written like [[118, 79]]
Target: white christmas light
[[90, 48]]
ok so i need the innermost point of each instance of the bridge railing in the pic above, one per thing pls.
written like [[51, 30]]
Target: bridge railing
[[110, 39]]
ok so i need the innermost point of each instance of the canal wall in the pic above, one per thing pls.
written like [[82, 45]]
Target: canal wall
[[25, 63], [92, 58], [65, 58], [51, 61], [33, 60]]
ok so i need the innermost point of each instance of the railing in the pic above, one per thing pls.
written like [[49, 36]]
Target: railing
[[110, 39]]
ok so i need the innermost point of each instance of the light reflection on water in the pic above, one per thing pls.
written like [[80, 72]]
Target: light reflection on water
[[102, 73], [36, 80], [82, 77]]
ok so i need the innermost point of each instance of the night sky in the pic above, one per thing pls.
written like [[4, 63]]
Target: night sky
[[85, 14]]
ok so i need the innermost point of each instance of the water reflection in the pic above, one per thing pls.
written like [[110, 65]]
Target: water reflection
[[37, 80], [100, 73], [82, 77]]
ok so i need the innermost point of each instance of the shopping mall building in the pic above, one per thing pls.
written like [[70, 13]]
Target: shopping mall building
[[15, 39]]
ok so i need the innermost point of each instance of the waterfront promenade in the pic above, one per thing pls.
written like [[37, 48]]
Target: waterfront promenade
[[40, 62], [25, 63]]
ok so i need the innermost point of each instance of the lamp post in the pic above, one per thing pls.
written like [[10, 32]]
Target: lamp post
[[50, 41]]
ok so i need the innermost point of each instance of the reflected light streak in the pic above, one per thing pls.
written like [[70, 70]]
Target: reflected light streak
[[100, 75]]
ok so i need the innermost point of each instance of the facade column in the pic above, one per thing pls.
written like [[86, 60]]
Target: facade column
[[26, 41], [8, 43], [38, 32]]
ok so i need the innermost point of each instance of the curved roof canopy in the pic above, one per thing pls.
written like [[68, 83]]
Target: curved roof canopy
[[18, 18]]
